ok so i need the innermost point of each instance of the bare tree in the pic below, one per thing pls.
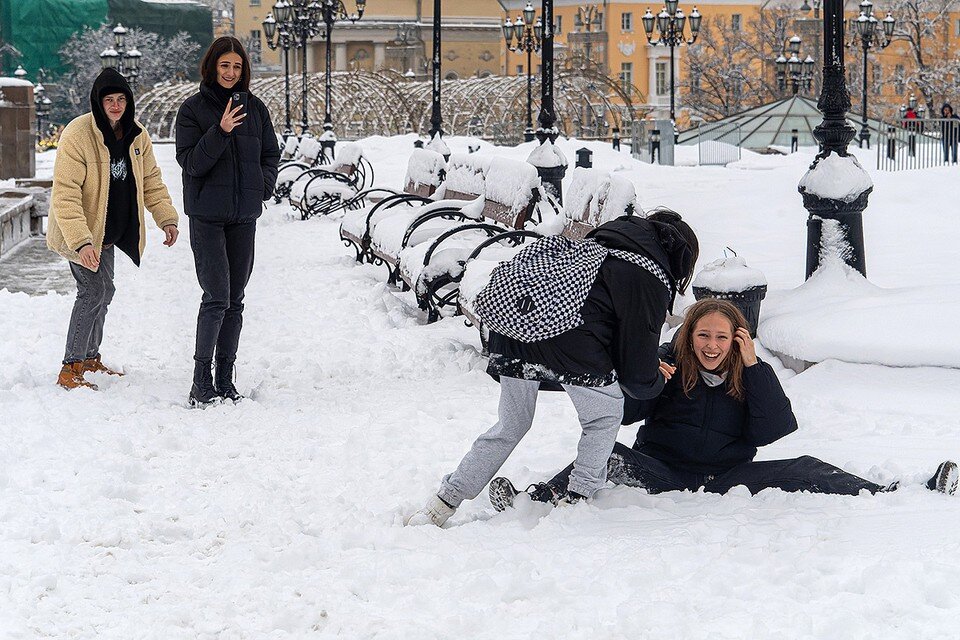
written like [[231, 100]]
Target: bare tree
[[924, 25], [163, 59], [724, 72]]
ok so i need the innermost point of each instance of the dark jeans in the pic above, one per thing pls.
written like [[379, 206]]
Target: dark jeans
[[94, 292], [629, 467], [949, 148], [223, 255]]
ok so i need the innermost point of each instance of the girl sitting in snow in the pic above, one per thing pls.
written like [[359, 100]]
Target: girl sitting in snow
[[720, 403]]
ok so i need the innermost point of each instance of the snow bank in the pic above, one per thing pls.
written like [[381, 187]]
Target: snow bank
[[838, 314], [836, 178]]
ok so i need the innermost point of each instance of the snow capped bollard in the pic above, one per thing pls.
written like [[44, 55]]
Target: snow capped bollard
[[731, 279]]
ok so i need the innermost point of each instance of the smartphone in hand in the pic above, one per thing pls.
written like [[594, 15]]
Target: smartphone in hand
[[239, 99]]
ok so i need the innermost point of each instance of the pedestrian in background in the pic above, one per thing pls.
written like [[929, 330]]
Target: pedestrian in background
[[104, 175], [228, 150], [949, 132]]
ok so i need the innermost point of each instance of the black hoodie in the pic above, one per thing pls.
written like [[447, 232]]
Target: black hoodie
[[623, 314], [123, 223]]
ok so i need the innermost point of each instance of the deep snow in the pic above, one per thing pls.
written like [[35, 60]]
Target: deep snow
[[123, 514]]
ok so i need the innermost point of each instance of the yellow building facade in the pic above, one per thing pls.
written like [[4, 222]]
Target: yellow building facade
[[610, 35], [393, 34]]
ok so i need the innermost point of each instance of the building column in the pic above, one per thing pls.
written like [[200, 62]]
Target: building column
[[379, 55], [340, 56]]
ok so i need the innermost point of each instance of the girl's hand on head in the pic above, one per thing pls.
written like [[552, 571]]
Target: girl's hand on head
[[747, 349]]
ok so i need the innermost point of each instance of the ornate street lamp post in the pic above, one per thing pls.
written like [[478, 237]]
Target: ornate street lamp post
[[42, 105], [670, 23], [436, 119], [302, 20], [127, 62], [819, 187], [871, 33], [283, 39], [528, 35], [792, 72], [550, 162]]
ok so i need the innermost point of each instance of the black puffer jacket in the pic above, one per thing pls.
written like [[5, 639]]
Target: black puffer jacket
[[226, 177], [623, 314], [710, 431]]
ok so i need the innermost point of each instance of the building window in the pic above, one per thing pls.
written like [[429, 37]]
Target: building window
[[626, 77], [736, 21], [451, 76], [877, 79], [539, 69], [626, 21], [254, 3], [898, 84], [519, 69], [559, 24], [661, 79], [956, 29]]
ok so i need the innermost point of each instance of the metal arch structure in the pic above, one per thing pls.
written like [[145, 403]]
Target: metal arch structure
[[386, 103]]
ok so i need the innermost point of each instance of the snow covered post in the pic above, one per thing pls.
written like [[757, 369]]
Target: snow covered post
[[836, 187], [436, 119], [550, 162], [731, 279]]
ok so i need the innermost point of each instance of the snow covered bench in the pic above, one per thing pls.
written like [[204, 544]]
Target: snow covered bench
[[425, 173], [432, 265], [305, 153], [326, 188], [594, 197]]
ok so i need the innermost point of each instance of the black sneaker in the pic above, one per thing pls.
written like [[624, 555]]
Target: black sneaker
[[945, 479], [502, 492]]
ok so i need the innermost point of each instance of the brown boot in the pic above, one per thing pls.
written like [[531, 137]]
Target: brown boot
[[94, 365], [71, 377]]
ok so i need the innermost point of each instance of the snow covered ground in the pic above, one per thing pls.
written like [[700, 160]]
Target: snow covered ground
[[123, 514]]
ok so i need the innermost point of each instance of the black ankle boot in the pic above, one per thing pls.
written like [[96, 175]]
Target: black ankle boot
[[224, 380], [202, 393]]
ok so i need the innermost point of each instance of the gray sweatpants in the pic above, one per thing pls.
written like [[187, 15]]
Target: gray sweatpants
[[94, 293], [599, 409]]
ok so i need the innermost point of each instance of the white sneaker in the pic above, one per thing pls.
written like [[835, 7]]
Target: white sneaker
[[435, 512]]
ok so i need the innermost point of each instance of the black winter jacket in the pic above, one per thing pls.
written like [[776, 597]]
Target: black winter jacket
[[623, 314], [710, 431], [226, 176]]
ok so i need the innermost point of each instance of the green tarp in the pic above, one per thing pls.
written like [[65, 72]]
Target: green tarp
[[38, 28]]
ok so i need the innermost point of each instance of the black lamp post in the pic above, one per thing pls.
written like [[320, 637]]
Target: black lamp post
[[871, 33], [436, 119], [118, 57], [834, 135], [302, 20], [550, 163], [670, 23], [528, 35], [283, 39], [793, 72]]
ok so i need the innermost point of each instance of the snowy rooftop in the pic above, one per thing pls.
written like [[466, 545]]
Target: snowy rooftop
[[124, 514]]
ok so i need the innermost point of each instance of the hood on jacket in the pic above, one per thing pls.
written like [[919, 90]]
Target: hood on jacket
[[110, 81], [943, 110], [634, 234]]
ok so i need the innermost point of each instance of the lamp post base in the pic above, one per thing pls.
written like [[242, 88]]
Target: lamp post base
[[849, 219], [529, 135]]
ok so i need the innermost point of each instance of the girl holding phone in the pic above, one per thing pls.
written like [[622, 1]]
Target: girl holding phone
[[228, 150]]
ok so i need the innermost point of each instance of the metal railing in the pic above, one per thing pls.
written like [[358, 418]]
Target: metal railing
[[720, 145], [917, 144]]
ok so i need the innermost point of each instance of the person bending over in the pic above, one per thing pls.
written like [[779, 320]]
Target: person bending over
[[720, 403], [637, 265]]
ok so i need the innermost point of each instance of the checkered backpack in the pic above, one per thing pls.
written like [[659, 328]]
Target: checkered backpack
[[539, 293]]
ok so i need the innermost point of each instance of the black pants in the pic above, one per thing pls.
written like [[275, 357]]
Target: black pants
[[629, 467], [223, 255], [949, 150]]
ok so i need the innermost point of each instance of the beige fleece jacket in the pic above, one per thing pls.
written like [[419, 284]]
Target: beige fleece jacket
[[81, 185]]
